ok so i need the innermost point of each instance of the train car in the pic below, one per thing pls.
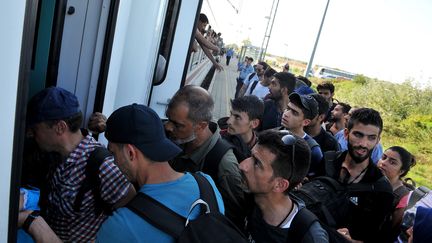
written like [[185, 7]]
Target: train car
[[109, 53]]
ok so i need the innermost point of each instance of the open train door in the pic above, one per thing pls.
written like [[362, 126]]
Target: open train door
[[177, 38]]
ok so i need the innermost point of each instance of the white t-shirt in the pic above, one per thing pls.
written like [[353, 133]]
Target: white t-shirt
[[259, 91]]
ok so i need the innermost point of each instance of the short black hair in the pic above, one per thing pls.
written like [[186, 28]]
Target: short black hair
[[269, 72], [323, 105], [203, 18], [345, 107], [282, 167], [366, 116], [252, 105], [326, 85], [305, 80], [264, 64], [286, 80]]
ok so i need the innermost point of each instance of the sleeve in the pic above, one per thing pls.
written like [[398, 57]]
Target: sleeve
[[114, 231], [316, 234], [231, 187], [114, 185]]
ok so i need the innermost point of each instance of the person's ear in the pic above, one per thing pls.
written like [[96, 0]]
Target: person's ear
[[281, 185], [255, 123], [201, 125], [346, 133], [306, 122], [130, 151], [60, 127]]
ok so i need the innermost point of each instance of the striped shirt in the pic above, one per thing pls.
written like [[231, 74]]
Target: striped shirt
[[81, 226]]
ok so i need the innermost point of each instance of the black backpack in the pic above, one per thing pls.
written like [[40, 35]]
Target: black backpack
[[209, 226], [329, 200], [92, 182], [303, 221]]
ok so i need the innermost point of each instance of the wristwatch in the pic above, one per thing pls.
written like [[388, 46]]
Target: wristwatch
[[30, 219]]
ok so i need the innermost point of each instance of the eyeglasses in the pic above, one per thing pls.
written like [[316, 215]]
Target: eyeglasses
[[290, 140]]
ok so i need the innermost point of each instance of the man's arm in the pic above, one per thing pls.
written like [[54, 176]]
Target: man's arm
[[230, 185], [129, 196], [205, 43], [210, 56], [38, 229]]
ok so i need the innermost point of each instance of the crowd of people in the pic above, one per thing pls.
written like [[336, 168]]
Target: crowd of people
[[280, 140]]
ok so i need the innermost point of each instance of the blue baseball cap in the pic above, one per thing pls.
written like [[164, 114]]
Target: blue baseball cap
[[52, 103], [141, 126]]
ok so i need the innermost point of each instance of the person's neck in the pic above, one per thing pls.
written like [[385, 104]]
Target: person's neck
[[69, 142], [156, 173], [247, 137], [297, 131], [283, 103], [395, 182], [274, 207], [355, 168], [201, 137], [314, 130], [337, 126]]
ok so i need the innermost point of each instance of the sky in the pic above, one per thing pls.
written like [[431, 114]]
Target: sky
[[386, 39]]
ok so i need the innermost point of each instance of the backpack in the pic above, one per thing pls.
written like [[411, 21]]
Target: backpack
[[421, 196], [209, 226], [301, 224], [214, 157], [330, 200], [92, 182]]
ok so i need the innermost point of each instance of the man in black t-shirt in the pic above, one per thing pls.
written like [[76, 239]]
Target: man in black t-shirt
[[326, 141], [279, 162]]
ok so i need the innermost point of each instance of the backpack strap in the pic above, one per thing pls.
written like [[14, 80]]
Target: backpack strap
[[300, 225], [251, 76], [157, 214], [312, 143], [254, 84], [206, 192], [92, 181], [416, 195], [330, 158], [165, 218], [214, 157]]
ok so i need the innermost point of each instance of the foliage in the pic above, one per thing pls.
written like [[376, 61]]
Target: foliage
[[246, 42], [407, 115]]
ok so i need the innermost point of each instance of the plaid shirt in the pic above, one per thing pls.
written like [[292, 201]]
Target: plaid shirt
[[81, 226]]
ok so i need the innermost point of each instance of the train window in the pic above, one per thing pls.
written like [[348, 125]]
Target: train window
[[166, 41]]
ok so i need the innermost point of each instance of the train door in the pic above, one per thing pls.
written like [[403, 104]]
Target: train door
[[68, 47]]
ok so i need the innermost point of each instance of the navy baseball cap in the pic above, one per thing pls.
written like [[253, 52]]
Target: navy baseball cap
[[307, 103], [52, 103], [141, 126]]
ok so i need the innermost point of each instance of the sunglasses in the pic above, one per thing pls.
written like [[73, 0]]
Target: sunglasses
[[290, 140]]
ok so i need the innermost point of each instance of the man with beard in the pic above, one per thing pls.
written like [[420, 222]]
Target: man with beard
[[189, 114], [337, 118], [251, 78], [368, 208], [281, 87]]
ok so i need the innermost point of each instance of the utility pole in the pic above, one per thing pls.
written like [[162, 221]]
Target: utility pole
[[268, 30], [309, 66]]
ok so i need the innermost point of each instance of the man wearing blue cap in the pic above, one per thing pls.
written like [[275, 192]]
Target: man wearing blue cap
[[137, 139], [54, 120]]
